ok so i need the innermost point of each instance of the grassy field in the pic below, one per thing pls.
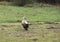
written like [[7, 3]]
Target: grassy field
[[15, 14], [11, 29], [37, 32]]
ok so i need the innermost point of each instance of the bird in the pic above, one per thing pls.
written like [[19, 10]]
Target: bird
[[25, 23]]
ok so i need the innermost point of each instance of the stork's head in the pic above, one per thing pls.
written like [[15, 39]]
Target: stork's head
[[24, 18]]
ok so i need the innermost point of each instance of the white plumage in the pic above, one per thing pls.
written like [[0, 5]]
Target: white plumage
[[25, 23]]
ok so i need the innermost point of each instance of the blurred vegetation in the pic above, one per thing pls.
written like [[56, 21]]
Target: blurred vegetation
[[28, 2]]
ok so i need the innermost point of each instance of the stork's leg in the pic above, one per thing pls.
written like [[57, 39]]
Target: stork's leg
[[26, 29]]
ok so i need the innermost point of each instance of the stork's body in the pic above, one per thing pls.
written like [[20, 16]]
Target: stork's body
[[25, 23]]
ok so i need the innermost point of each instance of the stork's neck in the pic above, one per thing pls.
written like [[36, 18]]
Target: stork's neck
[[24, 20]]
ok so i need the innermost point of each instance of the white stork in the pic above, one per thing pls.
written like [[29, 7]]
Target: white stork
[[25, 23]]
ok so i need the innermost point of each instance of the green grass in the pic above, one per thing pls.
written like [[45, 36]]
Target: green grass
[[37, 32], [13, 13]]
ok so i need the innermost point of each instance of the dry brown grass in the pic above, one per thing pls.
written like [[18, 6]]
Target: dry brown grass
[[38, 32]]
